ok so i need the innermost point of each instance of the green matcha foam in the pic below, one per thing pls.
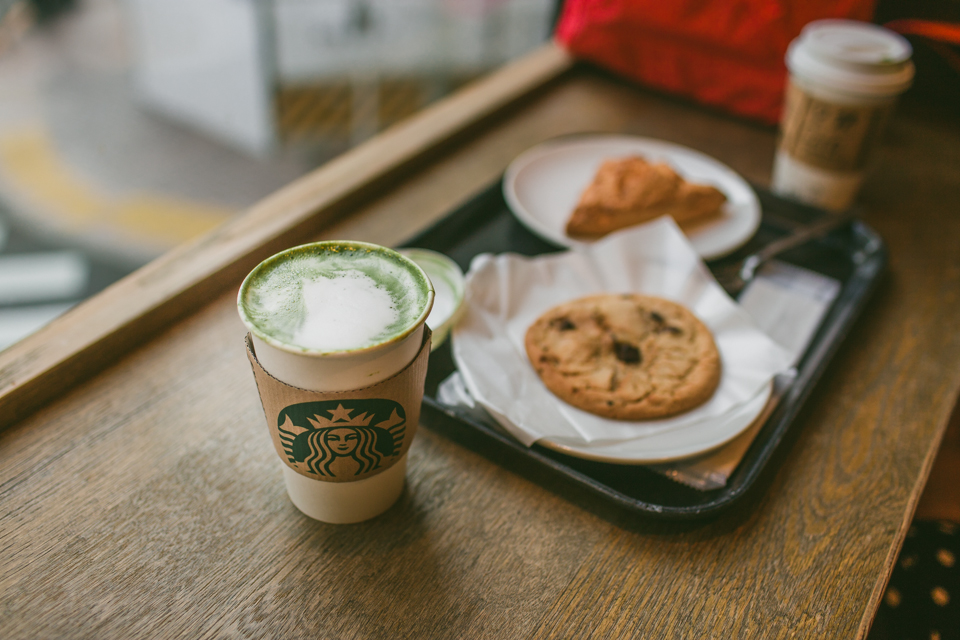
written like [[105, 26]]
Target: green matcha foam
[[334, 296]]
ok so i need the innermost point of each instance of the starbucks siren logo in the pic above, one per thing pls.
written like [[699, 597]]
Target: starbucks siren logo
[[342, 438]]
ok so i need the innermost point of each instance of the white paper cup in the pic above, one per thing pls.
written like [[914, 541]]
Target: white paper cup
[[340, 370], [845, 77]]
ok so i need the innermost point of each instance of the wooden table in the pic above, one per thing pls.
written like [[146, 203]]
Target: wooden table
[[141, 496]]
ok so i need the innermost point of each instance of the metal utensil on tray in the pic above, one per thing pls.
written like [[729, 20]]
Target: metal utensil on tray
[[734, 277]]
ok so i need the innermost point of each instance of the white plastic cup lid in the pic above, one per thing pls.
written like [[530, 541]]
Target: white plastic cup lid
[[852, 57]]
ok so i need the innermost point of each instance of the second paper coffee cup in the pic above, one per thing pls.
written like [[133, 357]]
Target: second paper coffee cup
[[845, 77], [339, 347]]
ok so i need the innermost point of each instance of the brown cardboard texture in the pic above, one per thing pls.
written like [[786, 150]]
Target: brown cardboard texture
[[343, 436], [832, 137]]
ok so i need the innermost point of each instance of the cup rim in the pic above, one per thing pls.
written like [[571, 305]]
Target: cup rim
[[809, 58], [334, 353]]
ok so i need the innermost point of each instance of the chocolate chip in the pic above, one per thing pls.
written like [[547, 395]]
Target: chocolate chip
[[656, 317], [562, 324], [674, 331], [626, 352]]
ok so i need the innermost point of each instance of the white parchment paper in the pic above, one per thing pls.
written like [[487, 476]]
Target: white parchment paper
[[507, 292]]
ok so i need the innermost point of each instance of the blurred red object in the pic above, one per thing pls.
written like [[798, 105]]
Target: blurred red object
[[723, 53]]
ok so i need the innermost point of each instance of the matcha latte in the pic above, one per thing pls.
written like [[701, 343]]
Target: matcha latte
[[335, 297], [339, 348]]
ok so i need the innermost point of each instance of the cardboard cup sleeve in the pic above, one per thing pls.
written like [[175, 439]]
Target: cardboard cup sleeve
[[343, 436]]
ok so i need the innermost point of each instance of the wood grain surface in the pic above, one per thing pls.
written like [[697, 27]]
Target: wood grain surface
[[146, 500]]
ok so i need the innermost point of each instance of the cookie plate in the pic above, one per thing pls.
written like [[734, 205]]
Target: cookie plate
[[507, 292], [542, 187], [676, 444]]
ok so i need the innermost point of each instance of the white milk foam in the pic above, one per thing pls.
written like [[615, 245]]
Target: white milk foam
[[335, 301], [343, 311]]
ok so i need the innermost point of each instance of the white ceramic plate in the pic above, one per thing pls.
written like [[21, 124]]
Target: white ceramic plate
[[675, 444], [505, 293], [542, 187]]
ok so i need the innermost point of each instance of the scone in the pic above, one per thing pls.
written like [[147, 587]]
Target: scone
[[625, 356], [629, 191]]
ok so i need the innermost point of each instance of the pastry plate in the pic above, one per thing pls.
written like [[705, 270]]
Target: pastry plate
[[542, 187]]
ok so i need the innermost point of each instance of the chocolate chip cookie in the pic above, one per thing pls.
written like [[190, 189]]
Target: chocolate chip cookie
[[625, 356]]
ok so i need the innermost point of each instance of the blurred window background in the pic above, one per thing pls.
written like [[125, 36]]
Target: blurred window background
[[130, 126]]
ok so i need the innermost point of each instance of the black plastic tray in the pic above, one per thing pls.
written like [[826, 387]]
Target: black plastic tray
[[855, 256]]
